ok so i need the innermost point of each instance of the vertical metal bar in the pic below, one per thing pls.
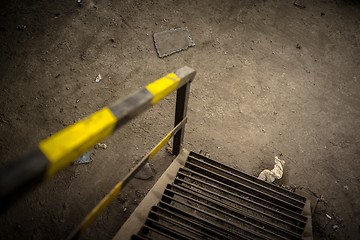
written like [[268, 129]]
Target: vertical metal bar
[[182, 97]]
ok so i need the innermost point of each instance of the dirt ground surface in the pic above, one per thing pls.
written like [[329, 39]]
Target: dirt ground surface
[[272, 80]]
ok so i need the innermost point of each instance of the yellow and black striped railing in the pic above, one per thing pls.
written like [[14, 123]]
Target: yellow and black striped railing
[[117, 188], [63, 148]]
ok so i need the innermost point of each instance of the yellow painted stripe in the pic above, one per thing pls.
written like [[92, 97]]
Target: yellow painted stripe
[[116, 190], [163, 86], [160, 145], [66, 146], [98, 209]]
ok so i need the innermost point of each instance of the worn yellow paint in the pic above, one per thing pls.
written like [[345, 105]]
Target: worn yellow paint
[[116, 190], [101, 205], [66, 146], [160, 145], [163, 86]]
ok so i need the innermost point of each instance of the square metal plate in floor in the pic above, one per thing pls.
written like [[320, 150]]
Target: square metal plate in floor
[[172, 41]]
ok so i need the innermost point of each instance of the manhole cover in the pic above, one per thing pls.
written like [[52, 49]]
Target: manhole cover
[[172, 41]]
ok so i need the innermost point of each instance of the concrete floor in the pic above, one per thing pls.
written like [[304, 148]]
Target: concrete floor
[[272, 79]]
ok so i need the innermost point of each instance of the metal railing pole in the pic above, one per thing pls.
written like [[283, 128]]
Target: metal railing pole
[[182, 97], [58, 151], [121, 184]]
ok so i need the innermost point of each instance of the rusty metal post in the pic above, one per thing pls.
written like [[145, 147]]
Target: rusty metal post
[[182, 97]]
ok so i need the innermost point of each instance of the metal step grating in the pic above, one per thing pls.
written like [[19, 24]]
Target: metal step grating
[[209, 200]]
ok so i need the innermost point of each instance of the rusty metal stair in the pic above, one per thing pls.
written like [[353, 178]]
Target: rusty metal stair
[[209, 200]]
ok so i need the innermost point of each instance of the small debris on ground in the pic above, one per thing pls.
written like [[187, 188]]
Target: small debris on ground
[[335, 227], [300, 4], [98, 78], [206, 154], [42, 203], [169, 148], [18, 227], [86, 158], [125, 209], [276, 173], [101, 145], [328, 216], [298, 46], [21, 27], [145, 173], [291, 188], [346, 187]]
